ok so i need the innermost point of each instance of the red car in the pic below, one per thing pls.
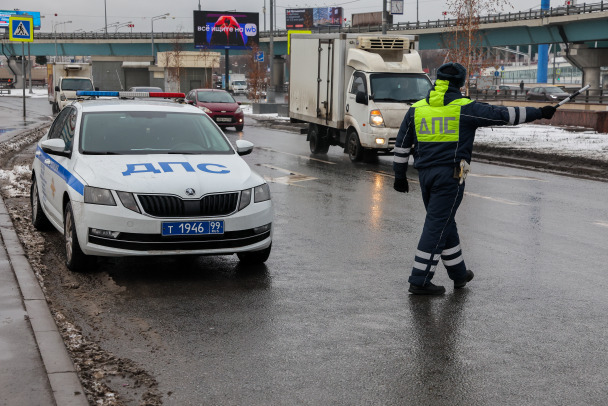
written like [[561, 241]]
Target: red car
[[219, 105]]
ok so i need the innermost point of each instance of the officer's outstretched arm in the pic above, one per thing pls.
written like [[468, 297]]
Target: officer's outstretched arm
[[485, 115]]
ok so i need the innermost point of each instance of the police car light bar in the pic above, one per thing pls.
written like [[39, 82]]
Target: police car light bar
[[100, 93]]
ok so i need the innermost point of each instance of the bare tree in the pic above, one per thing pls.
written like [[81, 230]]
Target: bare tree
[[174, 64], [256, 75], [465, 44]]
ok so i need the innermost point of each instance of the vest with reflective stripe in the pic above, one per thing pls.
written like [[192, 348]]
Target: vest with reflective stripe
[[438, 123]]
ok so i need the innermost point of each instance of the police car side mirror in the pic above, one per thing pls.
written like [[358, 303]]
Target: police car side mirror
[[54, 146], [243, 147], [361, 98]]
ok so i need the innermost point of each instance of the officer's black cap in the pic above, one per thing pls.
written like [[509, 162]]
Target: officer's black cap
[[453, 72]]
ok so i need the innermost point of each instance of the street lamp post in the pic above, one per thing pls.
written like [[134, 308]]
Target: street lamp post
[[160, 17], [55, 31], [127, 24], [105, 9]]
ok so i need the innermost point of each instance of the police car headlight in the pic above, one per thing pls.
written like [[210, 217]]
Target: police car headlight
[[261, 193], [94, 195], [376, 119], [239, 110], [245, 199], [205, 109], [128, 200]]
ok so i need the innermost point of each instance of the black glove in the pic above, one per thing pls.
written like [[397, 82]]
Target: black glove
[[547, 112], [401, 185]]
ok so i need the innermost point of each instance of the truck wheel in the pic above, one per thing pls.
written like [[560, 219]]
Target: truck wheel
[[318, 143], [353, 147], [55, 108]]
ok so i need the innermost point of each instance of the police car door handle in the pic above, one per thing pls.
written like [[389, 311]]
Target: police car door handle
[[47, 161], [38, 153]]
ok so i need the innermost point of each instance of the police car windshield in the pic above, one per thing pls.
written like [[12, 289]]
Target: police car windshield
[[399, 87], [150, 132], [76, 84], [214, 97]]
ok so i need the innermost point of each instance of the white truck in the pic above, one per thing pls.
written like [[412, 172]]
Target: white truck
[[238, 83], [354, 90], [64, 79]]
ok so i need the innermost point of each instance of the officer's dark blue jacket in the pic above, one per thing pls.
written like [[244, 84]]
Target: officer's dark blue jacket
[[441, 128]]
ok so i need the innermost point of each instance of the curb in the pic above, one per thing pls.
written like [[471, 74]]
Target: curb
[[65, 385]]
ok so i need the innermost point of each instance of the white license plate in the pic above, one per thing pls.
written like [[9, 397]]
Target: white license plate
[[224, 119]]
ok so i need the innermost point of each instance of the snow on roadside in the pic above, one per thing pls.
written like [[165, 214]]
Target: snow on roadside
[[16, 181], [547, 139]]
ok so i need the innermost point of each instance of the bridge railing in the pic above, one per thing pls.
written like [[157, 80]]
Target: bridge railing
[[445, 23]]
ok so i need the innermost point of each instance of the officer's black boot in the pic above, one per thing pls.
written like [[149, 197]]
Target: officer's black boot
[[427, 289], [461, 283]]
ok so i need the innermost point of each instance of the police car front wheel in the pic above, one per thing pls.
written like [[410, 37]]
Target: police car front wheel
[[254, 257], [75, 259]]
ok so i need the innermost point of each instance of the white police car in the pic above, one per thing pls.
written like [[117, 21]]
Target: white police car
[[136, 177]]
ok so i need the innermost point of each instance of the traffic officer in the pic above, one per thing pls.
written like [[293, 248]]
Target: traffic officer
[[440, 131]]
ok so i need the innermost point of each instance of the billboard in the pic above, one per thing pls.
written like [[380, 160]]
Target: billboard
[[225, 30], [313, 17], [5, 15]]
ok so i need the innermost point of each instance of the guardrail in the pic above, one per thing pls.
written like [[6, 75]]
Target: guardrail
[[494, 18]]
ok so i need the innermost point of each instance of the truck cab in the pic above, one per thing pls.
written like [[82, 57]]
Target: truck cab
[[64, 80]]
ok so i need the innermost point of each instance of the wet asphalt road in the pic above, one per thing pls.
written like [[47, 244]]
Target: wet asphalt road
[[328, 319]]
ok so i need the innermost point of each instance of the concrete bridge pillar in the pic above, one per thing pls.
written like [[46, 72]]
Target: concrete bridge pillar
[[590, 60]]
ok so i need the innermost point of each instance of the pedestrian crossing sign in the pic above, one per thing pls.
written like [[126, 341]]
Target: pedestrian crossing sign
[[21, 29]]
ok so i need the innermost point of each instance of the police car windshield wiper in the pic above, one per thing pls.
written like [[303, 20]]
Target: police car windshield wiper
[[101, 153]]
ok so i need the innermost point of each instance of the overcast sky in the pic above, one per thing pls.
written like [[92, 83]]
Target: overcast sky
[[88, 15]]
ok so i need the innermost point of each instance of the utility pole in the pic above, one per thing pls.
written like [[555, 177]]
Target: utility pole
[[384, 22], [270, 92]]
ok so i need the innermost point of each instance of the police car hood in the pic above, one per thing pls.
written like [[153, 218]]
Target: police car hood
[[167, 174]]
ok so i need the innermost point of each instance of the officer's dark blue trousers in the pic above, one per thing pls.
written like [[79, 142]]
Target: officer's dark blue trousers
[[442, 195]]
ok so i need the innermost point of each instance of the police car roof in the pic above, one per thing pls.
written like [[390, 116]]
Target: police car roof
[[135, 105]]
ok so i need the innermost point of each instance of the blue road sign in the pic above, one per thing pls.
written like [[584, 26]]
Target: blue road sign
[[259, 56], [21, 29]]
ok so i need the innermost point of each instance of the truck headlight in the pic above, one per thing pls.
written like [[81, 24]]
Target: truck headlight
[[376, 119], [261, 193], [94, 195]]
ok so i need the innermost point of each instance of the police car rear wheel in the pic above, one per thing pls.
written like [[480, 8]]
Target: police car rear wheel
[[355, 150], [75, 259], [254, 257], [39, 219]]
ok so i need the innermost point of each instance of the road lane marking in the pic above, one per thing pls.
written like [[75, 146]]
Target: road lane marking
[[476, 175], [497, 199], [601, 223], [494, 199], [291, 179], [299, 156]]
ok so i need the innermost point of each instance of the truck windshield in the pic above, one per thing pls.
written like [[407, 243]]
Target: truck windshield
[[399, 87], [76, 84], [240, 83]]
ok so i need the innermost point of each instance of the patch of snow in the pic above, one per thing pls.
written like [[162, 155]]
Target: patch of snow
[[546, 139], [17, 181]]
